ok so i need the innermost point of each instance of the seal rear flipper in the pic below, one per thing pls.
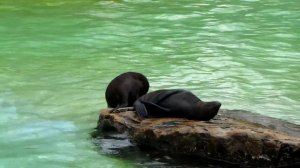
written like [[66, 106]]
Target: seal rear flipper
[[140, 109], [155, 110], [154, 107], [165, 94]]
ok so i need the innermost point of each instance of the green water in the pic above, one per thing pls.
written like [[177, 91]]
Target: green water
[[57, 56]]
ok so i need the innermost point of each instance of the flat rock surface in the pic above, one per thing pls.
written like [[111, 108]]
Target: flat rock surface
[[228, 138]]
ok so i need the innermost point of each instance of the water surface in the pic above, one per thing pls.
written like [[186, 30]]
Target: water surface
[[57, 56]]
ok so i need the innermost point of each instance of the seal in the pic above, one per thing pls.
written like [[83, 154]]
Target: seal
[[175, 103], [125, 89]]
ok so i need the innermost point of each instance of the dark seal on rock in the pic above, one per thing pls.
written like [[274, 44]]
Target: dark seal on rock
[[175, 103], [125, 89]]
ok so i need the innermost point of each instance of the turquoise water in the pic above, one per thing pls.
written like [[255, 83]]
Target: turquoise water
[[57, 56]]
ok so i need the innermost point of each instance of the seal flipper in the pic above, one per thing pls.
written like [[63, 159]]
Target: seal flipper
[[140, 109], [119, 106], [154, 107], [148, 109], [155, 110], [166, 94], [122, 109]]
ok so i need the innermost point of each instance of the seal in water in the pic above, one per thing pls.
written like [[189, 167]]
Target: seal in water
[[124, 89], [175, 103]]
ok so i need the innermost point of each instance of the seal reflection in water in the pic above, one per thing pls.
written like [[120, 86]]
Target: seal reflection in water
[[125, 89], [175, 103]]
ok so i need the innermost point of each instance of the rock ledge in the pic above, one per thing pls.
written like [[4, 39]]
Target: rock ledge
[[224, 138]]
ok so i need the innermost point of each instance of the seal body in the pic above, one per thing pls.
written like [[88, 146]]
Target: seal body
[[124, 89], [175, 103]]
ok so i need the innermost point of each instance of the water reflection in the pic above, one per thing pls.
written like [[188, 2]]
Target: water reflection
[[119, 146]]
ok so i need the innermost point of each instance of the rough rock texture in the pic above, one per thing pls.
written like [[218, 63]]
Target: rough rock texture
[[224, 138]]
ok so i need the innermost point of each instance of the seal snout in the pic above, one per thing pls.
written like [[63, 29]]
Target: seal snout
[[214, 109], [217, 105], [208, 110]]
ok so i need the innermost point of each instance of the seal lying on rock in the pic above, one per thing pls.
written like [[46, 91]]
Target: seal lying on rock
[[123, 90], [175, 103]]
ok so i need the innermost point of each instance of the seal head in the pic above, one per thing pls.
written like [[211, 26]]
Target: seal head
[[207, 110]]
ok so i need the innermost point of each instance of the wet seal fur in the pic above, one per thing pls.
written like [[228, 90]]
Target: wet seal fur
[[175, 103], [125, 89]]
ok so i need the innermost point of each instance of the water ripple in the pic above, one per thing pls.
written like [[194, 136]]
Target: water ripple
[[57, 57]]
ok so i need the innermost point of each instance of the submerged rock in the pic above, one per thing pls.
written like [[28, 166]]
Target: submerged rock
[[226, 138]]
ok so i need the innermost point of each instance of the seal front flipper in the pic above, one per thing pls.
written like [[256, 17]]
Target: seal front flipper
[[120, 106], [122, 109]]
